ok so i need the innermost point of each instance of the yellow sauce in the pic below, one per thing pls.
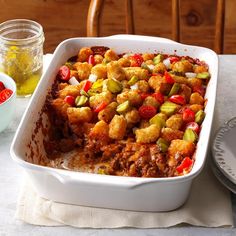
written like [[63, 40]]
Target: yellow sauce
[[24, 67]]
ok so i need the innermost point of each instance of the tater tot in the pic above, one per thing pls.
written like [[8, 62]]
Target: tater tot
[[159, 68], [180, 79], [194, 82], [83, 70], [60, 107], [170, 134], [132, 96], [110, 55], [148, 135], [125, 85], [124, 62], [117, 127], [76, 115], [181, 147], [100, 71], [135, 71], [98, 59], [149, 62], [132, 117], [72, 90], [115, 71], [196, 107], [182, 66], [74, 73], [147, 56], [175, 122], [200, 69], [151, 101], [196, 98], [108, 112], [143, 86], [101, 129], [84, 54], [97, 99], [156, 81]]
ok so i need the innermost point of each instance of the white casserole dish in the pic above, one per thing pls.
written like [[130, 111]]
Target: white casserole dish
[[128, 193]]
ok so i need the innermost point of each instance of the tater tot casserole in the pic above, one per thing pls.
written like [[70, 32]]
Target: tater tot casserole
[[126, 114]]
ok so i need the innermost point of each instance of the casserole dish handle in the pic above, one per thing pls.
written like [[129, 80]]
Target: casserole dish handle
[[141, 37], [87, 179]]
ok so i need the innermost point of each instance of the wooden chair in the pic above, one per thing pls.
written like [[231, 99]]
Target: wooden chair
[[96, 6]]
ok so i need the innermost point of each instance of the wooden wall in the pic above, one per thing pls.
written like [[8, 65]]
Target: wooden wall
[[63, 19]]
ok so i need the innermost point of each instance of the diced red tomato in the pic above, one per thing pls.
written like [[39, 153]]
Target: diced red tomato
[[174, 59], [194, 126], [5, 94], [169, 78], [178, 99], [188, 115], [2, 86], [70, 100], [147, 112], [185, 165], [91, 60], [136, 60], [159, 97], [88, 84], [64, 73], [199, 89], [100, 107]]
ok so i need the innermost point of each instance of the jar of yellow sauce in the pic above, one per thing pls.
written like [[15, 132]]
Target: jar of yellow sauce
[[21, 53]]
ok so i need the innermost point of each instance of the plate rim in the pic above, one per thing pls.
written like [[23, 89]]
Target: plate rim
[[221, 177], [218, 151]]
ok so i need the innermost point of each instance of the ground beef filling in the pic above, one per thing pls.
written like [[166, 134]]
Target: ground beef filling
[[120, 158]]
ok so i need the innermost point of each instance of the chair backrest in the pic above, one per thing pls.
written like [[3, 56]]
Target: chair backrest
[[96, 7]]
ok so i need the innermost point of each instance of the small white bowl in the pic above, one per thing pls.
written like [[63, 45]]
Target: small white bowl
[[7, 107]]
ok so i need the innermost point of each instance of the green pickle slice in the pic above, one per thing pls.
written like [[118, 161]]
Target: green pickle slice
[[123, 107], [157, 59], [133, 80], [114, 86], [199, 116], [174, 90], [190, 135], [168, 108], [158, 120], [98, 84], [203, 75], [163, 144], [80, 100]]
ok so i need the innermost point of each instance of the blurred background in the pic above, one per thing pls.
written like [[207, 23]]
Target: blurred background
[[63, 19]]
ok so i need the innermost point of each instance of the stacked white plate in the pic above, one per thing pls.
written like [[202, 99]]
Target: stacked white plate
[[224, 155]]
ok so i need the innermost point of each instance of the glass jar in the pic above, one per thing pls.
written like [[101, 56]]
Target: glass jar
[[21, 53]]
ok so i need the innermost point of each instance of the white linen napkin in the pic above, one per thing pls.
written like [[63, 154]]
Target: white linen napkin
[[208, 205]]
